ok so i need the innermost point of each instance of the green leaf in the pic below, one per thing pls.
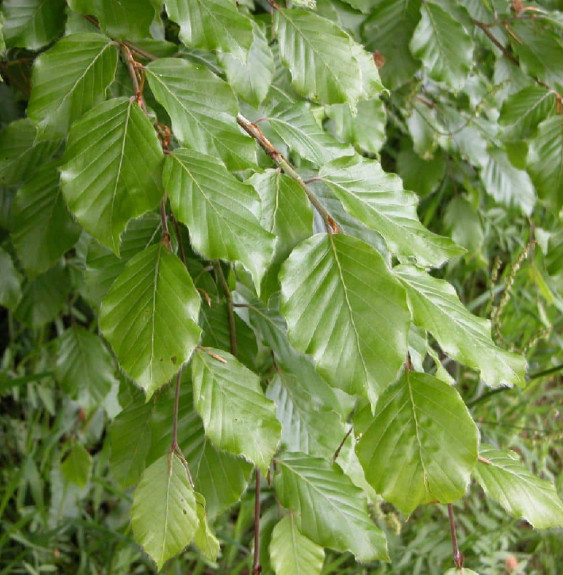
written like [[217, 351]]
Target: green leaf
[[44, 297], [540, 51], [365, 129], [378, 200], [433, 40], [77, 465], [465, 337], [329, 509], [309, 425], [422, 176], [421, 445], [20, 152], [236, 414], [296, 125], [113, 169], [10, 282], [286, 211], [207, 125], [204, 538], [130, 437], [464, 224], [506, 184], [291, 553], [462, 571], [103, 266], [212, 25], [219, 476], [33, 23], [545, 161], [221, 212], [251, 76], [68, 80], [150, 315], [43, 227], [164, 513], [388, 31], [523, 111], [126, 19], [521, 493], [317, 53], [344, 308], [84, 367]]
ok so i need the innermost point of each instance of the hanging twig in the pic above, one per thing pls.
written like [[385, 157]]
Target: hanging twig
[[458, 557]]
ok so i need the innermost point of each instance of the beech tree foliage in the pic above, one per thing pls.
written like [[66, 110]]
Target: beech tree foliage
[[272, 252]]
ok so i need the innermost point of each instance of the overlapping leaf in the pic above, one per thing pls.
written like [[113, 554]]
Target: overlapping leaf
[[345, 309], [545, 161], [236, 414], [203, 110], [84, 367], [113, 169], [421, 445], [212, 25], [221, 212], [150, 315], [433, 40], [317, 52], [251, 76], [291, 553], [463, 336], [68, 80], [296, 125], [20, 152], [204, 538], [33, 23], [378, 200], [43, 227], [126, 19], [521, 493], [164, 513], [329, 509]]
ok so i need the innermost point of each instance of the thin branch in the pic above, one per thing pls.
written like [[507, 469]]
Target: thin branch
[[136, 80], [230, 308], [492, 38], [339, 448], [140, 51], [458, 557], [254, 131], [274, 4], [484, 460], [256, 567]]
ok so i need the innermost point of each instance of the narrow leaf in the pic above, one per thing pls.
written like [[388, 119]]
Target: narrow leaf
[[149, 316], [378, 200], [220, 211], [113, 169], [291, 553], [345, 309], [164, 513], [235, 412], [329, 509], [203, 123], [521, 493], [68, 80], [463, 336], [421, 445]]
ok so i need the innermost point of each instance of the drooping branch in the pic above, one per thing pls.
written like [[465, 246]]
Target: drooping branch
[[253, 130]]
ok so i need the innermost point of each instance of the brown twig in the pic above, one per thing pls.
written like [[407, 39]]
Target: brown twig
[[253, 130], [341, 445], [492, 38], [458, 557]]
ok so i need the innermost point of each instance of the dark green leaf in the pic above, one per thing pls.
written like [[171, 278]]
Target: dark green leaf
[[10, 282]]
